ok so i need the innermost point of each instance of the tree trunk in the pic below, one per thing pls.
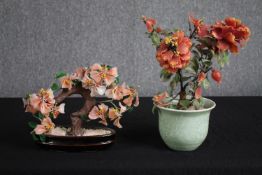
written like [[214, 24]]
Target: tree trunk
[[76, 121], [182, 96]]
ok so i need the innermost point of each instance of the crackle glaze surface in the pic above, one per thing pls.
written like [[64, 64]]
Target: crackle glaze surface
[[184, 130]]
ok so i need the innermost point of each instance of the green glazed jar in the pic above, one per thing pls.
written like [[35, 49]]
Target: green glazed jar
[[184, 130]]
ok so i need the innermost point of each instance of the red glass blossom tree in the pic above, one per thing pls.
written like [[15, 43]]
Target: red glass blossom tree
[[96, 80], [187, 59]]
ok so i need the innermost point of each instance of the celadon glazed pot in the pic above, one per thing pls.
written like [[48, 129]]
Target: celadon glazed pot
[[184, 130]]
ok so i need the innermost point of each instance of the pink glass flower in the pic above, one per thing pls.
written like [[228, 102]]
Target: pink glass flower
[[132, 96], [79, 73], [103, 74], [100, 112], [117, 92], [43, 101], [116, 113], [45, 126], [58, 110], [66, 82]]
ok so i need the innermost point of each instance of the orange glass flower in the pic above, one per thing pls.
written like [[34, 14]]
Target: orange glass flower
[[201, 77], [150, 23], [174, 52], [230, 33], [201, 27], [198, 93], [159, 99]]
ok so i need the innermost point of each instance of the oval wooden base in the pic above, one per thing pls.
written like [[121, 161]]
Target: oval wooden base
[[79, 143]]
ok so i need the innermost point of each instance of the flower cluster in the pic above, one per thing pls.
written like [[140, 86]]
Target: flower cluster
[[102, 80], [127, 97], [174, 52], [188, 59], [44, 103], [227, 35], [98, 80], [230, 34]]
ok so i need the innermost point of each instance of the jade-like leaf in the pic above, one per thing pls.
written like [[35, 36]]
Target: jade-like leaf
[[51, 115], [55, 87], [185, 103], [42, 138], [173, 84], [165, 75], [40, 115], [60, 74], [198, 104], [32, 124], [34, 137], [196, 53], [205, 84], [154, 109], [117, 80], [222, 59], [167, 99], [189, 69], [186, 78], [207, 63], [130, 109], [155, 39], [195, 65]]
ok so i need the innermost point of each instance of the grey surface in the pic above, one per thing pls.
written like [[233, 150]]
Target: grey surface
[[41, 37]]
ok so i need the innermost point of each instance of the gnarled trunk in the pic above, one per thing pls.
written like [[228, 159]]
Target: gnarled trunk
[[76, 120], [182, 96]]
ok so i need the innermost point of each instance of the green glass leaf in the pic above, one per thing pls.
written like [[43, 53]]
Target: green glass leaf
[[42, 138], [32, 124], [222, 59], [40, 115], [130, 109], [172, 85], [167, 99], [177, 78], [117, 81], [165, 75], [60, 74], [205, 84], [34, 137], [173, 106], [155, 39], [196, 53], [196, 104], [55, 87], [185, 103], [194, 64], [202, 102], [51, 115], [190, 69], [207, 63], [185, 78], [108, 67], [154, 109]]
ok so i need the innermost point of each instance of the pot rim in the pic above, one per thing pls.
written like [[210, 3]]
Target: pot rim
[[190, 111]]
